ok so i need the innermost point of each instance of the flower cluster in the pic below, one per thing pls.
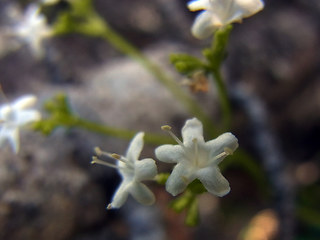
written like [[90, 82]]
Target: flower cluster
[[195, 158], [13, 116], [219, 13]]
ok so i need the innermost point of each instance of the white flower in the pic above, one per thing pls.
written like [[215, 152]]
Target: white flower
[[33, 29], [219, 13], [197, 159], [133, 171], [13, 116]]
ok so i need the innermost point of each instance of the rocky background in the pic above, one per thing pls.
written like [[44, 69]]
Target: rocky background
[[50, 190]]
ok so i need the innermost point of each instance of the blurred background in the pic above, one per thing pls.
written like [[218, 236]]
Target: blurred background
[[50, 190]]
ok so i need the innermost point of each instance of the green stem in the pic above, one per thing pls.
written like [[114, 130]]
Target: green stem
[[149, 138], [223, 97]]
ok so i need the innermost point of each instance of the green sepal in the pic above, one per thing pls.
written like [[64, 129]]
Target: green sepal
[[162, 178], [196, 187], [182, 202], [192, 218], [186, 64]]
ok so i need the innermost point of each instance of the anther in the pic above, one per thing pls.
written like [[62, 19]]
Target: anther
[[109, 206], [168, 129], [116, 156], [98, 151]]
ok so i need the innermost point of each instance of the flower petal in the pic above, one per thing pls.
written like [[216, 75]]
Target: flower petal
[[204, 25], [145, 169], [214, 181], [197, 5], [27, 116], [217, 145], [120, 195], [179, 178], [247, 7], [142, 193], [135, 147], [191, 130], [169, 153], [12, 136], [24, 102]]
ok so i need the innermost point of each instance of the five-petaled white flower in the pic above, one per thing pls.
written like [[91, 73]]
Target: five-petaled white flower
[[219, 13], [13, 116], [33, 29], [133, 171], [197, 159]]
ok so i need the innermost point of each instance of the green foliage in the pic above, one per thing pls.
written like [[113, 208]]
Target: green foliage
[[216, 54], [81, 18], [186, 64], [59, 113]]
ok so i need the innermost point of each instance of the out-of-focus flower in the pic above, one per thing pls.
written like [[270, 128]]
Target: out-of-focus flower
[[197, 159], [132, 171], [49, 1], [32, 29], [219, 13], [13, 116]]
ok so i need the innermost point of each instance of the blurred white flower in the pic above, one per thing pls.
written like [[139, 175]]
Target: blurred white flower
[[132, 171], [13, 116], [219, 13], [49, 1], [32, 29], [197, 159]]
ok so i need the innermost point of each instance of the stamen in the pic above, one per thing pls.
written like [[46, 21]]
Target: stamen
[[115, 156], [167, 128], [109, 206], [98, 161], [196, 150], [227, 151]]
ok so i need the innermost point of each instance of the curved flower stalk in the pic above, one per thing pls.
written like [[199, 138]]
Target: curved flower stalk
[[219, 13], [197, 159], [32, 29], [132, 171], [13, 116]]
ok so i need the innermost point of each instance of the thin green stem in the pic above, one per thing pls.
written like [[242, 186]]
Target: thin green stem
[[223, 97], [149, 138]]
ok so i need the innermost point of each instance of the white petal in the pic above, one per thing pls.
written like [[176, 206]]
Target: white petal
[[12, 136], [121, 195], [24, 102], [179, 179], [142, 193], [191, 130], [169, 153], [214, 181], [204, 25], [145, 169], [217, 146], [197, 5], [27, 116], [135, 147], [248, 7]]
